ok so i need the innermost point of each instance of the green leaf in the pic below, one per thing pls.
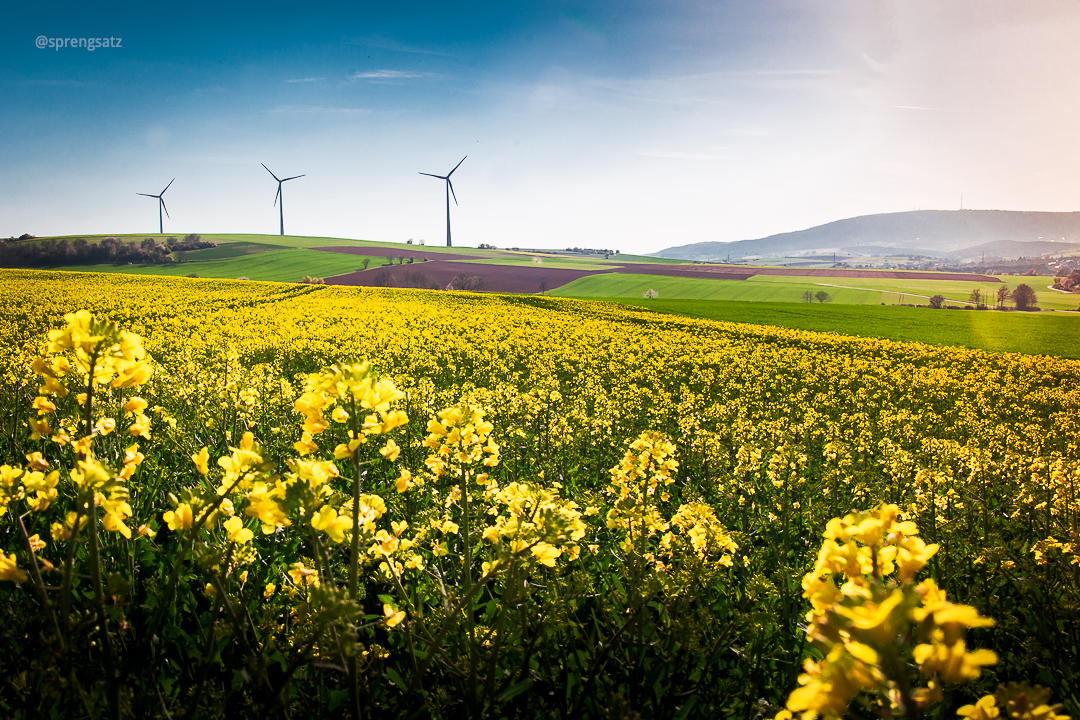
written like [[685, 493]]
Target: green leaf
[[515, 690], [685, 710], [396, 678]]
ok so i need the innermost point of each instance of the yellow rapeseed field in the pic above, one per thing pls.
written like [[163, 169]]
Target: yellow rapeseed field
[[266, 497]]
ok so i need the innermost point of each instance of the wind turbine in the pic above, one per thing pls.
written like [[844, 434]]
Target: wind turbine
[[161, 206], [278, 200], [449, 192]]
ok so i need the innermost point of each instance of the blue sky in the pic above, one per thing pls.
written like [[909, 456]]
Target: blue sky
[[626, 125]]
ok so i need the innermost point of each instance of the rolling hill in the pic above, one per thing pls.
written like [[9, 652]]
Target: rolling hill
[[935, 233]]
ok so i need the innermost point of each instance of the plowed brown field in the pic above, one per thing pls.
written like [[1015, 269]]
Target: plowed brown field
[[531, 279]]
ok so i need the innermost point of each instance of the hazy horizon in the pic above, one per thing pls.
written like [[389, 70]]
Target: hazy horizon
[[625, 125]]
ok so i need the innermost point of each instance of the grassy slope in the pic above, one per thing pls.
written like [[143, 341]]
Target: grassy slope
[[282, 258], [547, 262], [286, 258], [278, 265], [779, 288], [1030, 333]]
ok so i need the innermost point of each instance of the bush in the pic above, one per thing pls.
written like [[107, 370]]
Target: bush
[[937, 301]]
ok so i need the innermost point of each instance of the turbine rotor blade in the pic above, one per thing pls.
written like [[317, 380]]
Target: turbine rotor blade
[[278, 194], [441, 177], [162, 201], [168, 186], [452, 190], [292, 178], [145, 195], [270, 171], [456, 166]]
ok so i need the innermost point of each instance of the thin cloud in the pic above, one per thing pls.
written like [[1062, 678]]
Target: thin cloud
[[913, 107], [296, 80], [395, 46], [675, 155], [385, 75], [317, 110]]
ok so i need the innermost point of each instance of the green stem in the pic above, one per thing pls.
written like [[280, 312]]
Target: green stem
[[40, 585], [95, 556], [467, 583], [354, 554]]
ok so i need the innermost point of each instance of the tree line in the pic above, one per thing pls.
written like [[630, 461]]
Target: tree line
[[79, 251]]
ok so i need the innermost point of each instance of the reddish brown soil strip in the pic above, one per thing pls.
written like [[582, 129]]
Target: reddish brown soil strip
[[528, 279], [496, 278], [416, 252], [883, 274]]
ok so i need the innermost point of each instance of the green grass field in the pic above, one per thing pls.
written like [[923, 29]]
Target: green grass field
[[226, 251], [789, 289], [1040, 333], [277, 265], [273, 257]]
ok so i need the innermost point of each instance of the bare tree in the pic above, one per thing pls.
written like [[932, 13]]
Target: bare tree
[[1003, 295], [470, 283], [808, 297], [366, 262], [415, 279]]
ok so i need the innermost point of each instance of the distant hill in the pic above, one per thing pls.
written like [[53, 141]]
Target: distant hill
[[1012, 249], [936, 233]]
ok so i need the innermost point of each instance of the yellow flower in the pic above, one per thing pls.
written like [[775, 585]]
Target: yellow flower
[[300, 574], [135, 406], [545, 554], [269, 590], [984, 709], [390, 451], [180, 519], [234, 528], [43, 405], [404, 481], [9, 570], [140, 427], [330, 522], [305, 445], [392, 616], [953, 663], [202, 461]]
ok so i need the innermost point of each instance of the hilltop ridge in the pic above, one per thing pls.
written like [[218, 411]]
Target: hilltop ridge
[[931, 233]]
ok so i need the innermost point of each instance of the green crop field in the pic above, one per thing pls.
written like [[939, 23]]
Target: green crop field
[[225, 251], [566, 263], [786, 288], [1041, 333], [277, 265]]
